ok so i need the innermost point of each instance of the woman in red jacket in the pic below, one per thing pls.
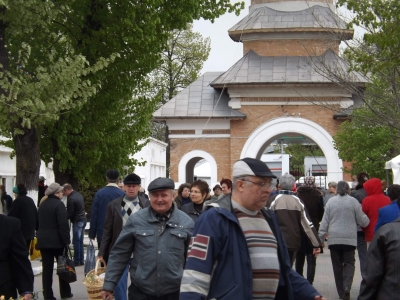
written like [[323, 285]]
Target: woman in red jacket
[[371, 204]]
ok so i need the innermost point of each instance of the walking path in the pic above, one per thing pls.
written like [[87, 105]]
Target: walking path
[[324, 280]]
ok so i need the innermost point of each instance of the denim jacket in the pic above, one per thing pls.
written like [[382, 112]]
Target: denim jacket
[[159, 252]]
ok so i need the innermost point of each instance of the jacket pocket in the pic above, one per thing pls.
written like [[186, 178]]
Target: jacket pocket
[[177, 240]]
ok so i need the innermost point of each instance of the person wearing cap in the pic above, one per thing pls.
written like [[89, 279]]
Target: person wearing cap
[[52, 238], [118, 212], [158, 237], [77, 216], [41, 189], [237, 250], [293, 218], [100, 202], [217, 191]]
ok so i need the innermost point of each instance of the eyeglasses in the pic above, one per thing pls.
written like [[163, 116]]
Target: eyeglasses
[[263, 184]]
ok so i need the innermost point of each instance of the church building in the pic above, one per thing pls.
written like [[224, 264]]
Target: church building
[[286, 85]]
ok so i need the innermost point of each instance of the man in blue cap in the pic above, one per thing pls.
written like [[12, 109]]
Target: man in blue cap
[[158, 237], [237, 250]]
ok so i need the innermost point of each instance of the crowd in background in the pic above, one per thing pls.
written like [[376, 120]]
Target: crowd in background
[[362, 217]]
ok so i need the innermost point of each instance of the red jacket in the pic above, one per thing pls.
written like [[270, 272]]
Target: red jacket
[[372, 203]]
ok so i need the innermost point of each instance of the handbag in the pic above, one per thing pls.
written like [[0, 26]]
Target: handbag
[[90, 262], [33, 251], [66, 267]]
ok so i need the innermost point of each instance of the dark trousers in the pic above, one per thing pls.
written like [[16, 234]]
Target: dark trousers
[[28, 244], [292, 255], [48, 256], [311, 264], [362, 251], [343, 264], [137, 294]]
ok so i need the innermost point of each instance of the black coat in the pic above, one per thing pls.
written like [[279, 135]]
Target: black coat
[[24, 209], [76, 207], [381, 277], [113, 224], [191, 211], [15, 267], [53, 232]]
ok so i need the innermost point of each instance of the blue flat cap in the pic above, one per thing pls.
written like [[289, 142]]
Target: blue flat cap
[[161, 184]]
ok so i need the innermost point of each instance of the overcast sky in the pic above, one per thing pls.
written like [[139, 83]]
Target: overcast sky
[[224, 51]]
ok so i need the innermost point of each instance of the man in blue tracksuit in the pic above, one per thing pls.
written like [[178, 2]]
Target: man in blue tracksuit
[[237, 250]]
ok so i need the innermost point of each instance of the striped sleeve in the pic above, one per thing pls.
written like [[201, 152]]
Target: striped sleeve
[[201, 260]]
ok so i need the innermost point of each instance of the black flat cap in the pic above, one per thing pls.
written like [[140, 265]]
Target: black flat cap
[[161, 184], [112, 174], [132, 179]]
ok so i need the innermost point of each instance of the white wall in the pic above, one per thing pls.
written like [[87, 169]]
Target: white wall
[[154, 154]]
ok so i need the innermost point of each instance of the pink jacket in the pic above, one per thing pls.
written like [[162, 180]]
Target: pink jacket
[[372, 203]]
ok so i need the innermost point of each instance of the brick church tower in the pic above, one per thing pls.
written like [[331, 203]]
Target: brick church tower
[[279, 87]]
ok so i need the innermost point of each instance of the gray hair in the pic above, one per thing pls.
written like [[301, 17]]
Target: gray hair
[[287, 182], [342, 188], [332, 184]]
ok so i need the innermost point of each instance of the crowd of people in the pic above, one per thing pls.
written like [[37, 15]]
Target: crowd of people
[[248, 239]]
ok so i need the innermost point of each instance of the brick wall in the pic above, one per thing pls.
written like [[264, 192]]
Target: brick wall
[[227, 150], [291, 47], [218, 148]]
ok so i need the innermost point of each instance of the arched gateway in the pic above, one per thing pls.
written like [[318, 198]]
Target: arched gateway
[[268, 132], [277, 87]]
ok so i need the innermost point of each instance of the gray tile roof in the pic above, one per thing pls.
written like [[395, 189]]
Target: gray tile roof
[[255, 69], [268, 18], [199, 100]]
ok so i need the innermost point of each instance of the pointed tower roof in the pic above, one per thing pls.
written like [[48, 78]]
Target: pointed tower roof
[[264, 20]]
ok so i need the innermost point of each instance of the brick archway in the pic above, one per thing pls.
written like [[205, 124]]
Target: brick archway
[[190, 159], [268, 131]]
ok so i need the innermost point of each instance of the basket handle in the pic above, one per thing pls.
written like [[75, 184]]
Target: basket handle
[[97, 264]]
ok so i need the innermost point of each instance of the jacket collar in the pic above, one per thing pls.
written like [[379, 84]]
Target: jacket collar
[[223, 206], [113, 184], [173, 221]]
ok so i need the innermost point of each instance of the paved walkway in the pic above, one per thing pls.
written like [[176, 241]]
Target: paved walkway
[[324, 280]]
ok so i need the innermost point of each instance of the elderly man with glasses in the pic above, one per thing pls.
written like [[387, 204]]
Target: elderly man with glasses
[[237, 250]]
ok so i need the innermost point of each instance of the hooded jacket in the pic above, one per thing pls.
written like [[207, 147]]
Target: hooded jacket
[[372, 203]]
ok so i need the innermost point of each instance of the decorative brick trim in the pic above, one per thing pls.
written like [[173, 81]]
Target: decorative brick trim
[[285, 99], [182, 132], [220, 131]]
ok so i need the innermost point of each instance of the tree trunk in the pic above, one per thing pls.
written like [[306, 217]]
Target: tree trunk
[[64, 177], [27, 151]]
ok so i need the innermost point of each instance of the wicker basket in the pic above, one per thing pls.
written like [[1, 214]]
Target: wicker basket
[[93, 283]]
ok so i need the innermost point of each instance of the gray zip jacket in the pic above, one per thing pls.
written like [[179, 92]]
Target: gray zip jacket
[[159, 252]]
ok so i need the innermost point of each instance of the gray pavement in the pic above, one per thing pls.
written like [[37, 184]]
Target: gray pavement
[[324, 280]]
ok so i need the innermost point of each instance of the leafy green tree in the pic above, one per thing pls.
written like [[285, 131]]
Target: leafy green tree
[[376, 57], [366, 145], [181, 62], [41, 78], [85, 31]]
